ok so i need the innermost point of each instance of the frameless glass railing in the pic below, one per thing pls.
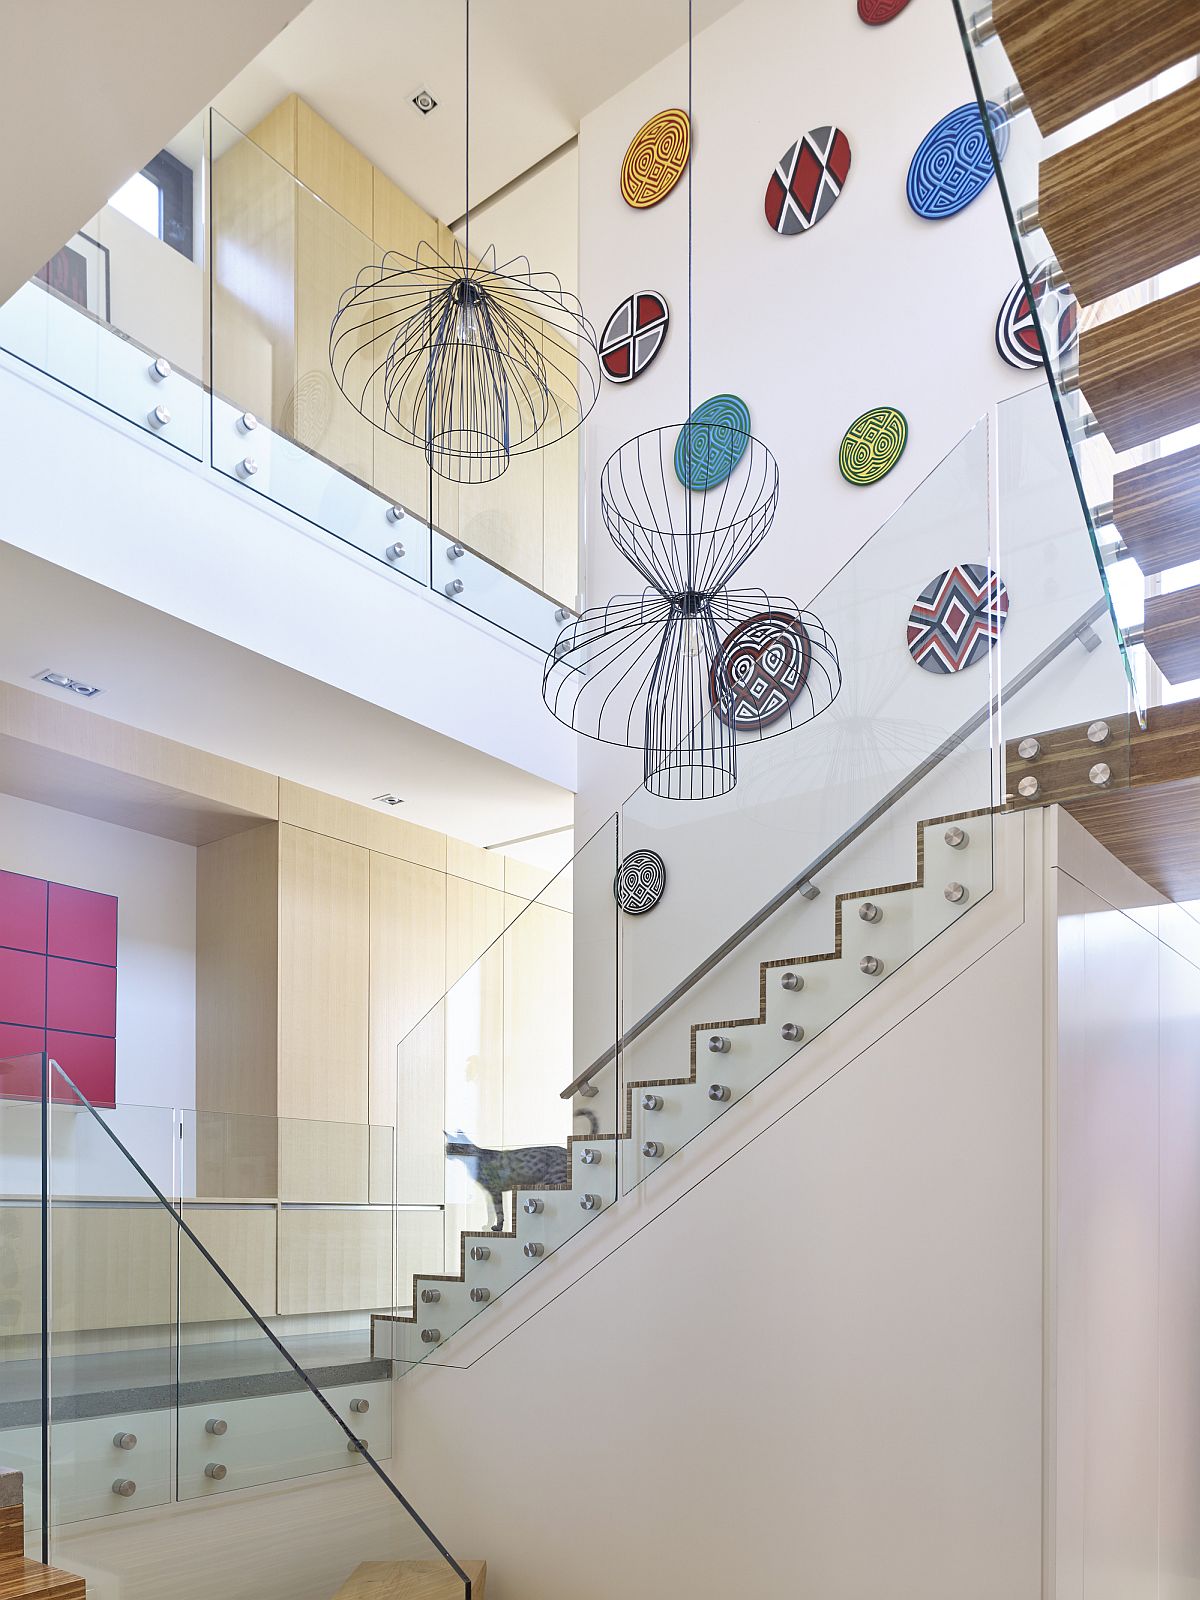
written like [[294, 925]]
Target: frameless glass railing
[[215, 339], [974, 615], [117, 313], [1042, 321], [161, 1346], [283, 258]]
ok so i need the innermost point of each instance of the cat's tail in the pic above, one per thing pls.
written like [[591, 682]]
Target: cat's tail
[[592, 1119]]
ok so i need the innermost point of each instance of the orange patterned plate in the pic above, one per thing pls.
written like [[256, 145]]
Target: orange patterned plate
[[656, 158]]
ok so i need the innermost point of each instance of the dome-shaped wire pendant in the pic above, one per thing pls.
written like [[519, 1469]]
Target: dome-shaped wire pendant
[[472, 362], [690, 669]]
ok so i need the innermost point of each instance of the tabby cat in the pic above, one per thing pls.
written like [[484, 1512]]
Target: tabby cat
[[501, 1172]]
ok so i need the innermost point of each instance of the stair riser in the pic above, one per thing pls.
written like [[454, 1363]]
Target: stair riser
[[1071, 56], [1108, 232], [1140, 373], [1156, 508]]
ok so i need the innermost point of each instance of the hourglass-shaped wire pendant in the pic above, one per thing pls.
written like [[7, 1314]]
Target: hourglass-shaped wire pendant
[[689, 669]]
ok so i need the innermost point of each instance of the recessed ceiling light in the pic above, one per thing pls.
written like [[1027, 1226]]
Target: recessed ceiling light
[[424, 102], [388, 799], [60, 680]]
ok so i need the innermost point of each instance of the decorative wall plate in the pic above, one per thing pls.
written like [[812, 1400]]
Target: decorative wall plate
[[953, 163], [633, 335], [761, 670], [656, 158], [712, 441], [872, 445], [640, 881], [807, 180], [877, 12], [956, 619], [1016, 326]]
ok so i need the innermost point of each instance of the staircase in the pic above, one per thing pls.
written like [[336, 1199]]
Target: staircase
[[1118, 208], [797, 998]]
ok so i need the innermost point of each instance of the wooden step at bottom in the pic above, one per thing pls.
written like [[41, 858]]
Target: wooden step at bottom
[[12, 1515], [1156, 508], [29, 1580], [411, 1580], [1172, 633]]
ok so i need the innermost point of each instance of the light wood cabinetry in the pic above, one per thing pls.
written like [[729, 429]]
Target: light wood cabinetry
[[324, 899], [243, 1240], [334, 1260]]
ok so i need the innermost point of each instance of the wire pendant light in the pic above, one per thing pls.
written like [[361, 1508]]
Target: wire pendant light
[[689, 669], [472, 361]]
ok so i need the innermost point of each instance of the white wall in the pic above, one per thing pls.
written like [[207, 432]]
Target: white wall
[[157, 294], [872, 306], [1126, 1165], [155, 884]]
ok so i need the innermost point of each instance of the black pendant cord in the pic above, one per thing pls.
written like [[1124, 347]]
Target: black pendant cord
[[467, 134], [691, 577]]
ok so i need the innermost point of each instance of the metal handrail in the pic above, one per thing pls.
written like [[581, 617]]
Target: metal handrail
[[804, 878]]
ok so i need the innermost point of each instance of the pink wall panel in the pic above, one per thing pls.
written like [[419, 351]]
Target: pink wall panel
[[81, 997], [23, 988], [21, 1062], [22, 911], [82, 925], [90, 1063], [64, 1005]]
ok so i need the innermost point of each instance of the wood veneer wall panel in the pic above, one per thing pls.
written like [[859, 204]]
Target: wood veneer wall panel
[[1172, 633], [243, 1239], [276, 133], [1141, 372], [1071, 56], [324, 1163], [330, 252], [65, 756], [1156, 507], [342, 819], [408, 976], [237, 1014], [254, 272], [537, 1023], [334, 1260], [332, 168], [1108, 232], [324, 954]]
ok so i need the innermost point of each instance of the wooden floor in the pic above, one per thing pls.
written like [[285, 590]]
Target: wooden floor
[[412, 1580]]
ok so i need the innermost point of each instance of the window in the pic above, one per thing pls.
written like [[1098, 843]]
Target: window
[[139, 200], [159, 199]]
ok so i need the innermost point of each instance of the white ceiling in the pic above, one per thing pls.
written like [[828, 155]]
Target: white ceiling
[[171, 678], [90, 92], [537, 67]]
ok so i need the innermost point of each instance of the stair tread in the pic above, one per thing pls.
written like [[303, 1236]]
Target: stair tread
[[1140, 372], [1109, 233], [1156, 507], [29, 1580], [1071, 56], [1172, 633], [410, 1580]]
